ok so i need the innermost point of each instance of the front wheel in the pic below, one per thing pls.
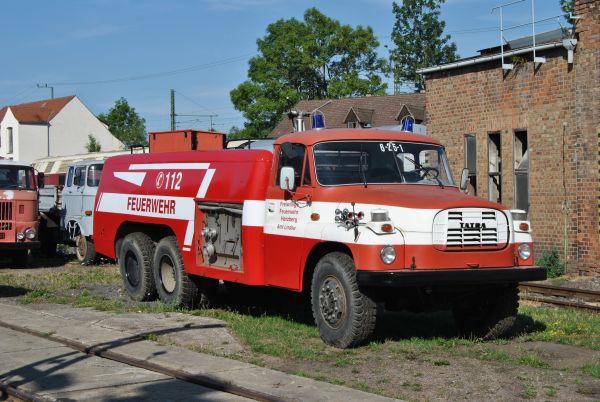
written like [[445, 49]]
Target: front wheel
[[344, 315], [488, 314], [85, 250], [173, 284]]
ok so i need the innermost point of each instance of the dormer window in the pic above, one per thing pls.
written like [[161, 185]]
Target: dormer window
[[359, 118]]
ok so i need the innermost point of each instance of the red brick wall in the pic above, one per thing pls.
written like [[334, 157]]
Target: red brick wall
[[559, 107]]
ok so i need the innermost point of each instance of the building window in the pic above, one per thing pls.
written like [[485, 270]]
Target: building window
[[521, 153], [494, 168], [471, 162], [9, 140]]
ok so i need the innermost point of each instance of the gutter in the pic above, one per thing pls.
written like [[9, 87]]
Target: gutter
[[485, 59]]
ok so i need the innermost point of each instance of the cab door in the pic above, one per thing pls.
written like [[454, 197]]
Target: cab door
[[73, 196], [287, 213], [88, 198]]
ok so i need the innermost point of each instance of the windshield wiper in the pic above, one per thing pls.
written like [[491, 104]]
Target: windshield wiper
[[426, 169]]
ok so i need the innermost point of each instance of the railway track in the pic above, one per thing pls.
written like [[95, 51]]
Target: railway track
[[560, 295], [20, 394]]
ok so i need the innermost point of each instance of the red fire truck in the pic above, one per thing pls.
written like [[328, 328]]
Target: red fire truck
[[18, 210], [357, 218]]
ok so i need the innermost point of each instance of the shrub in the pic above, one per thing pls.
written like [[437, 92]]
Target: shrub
[[554, 265]]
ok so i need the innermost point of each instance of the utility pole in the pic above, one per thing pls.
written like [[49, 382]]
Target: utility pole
[[47, 86], [172, 110]]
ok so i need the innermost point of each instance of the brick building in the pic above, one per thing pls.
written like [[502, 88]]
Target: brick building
[[530, 135]]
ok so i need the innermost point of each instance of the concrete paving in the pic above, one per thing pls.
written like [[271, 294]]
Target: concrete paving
[[57, 372], [123, 335]]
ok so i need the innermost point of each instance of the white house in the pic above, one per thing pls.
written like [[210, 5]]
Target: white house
[[52, 127]]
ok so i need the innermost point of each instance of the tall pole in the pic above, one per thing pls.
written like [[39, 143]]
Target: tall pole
[[47, 86], [172, 110]]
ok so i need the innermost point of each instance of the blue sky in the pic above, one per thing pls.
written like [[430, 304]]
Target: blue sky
[[101, 50]]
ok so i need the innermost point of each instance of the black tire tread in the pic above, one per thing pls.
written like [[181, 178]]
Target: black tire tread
[[146, 247], [496, 315], [186, 293], [364, 315]]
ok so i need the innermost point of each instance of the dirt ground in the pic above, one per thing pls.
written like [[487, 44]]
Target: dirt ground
[[406, 372]]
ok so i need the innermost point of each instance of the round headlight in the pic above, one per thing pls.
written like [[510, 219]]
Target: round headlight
[[524, 251], [20, 235], [388, 254], [30, 233]]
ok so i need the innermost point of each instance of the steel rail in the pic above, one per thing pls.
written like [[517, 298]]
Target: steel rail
[[560, 295], [197, 379], [19, 394]]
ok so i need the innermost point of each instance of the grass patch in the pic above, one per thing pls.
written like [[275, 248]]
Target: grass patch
[[532, 361], [562, 325], [592, 369], [529, 391]]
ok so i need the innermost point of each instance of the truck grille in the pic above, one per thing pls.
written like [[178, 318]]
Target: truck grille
[[6, 215], [470, 228]]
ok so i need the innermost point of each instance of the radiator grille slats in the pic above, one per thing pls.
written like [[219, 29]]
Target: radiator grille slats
[[6, 215], [470, 228]]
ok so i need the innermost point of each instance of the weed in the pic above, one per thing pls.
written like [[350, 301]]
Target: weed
[[551, 392], [151, 337], [592, 369], [550, 259], [532, 361], [441, 363], [529, 391]]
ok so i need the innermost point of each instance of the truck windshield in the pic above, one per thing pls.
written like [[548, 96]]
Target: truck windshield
[[381, 162], [16, 177]]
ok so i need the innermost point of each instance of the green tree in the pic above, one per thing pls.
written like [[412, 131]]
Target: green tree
[[93, 145], [419, 40], [125, 124], [315, 58]]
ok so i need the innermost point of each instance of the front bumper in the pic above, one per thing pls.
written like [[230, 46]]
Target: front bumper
[[437, 277], [20, 245]]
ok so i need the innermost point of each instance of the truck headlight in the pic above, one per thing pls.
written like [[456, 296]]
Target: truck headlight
[[388, 254], [20, 236], [524, 251], [30, 233]]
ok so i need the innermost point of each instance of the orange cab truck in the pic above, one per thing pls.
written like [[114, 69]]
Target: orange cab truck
[[355, 218], [18, 210]]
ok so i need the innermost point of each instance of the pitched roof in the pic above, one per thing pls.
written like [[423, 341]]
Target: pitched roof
[[37, 112], [376, 110]]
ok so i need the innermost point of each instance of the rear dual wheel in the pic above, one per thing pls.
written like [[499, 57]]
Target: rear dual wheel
[[173, 284], [135, 263]]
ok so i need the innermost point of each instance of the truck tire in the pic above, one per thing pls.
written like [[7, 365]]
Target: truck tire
[[345, 316], [489, 314], [135, 263], [173, 284], [85, 250]]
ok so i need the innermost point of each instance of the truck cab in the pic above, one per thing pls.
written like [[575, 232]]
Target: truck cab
[[18, 210], [78, 198]]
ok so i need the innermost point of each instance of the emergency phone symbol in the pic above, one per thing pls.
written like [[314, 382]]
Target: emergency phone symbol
[[160, 178]]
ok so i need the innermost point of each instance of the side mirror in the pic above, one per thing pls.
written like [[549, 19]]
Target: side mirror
[[41, 180], [287, 178], [464, 179]]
